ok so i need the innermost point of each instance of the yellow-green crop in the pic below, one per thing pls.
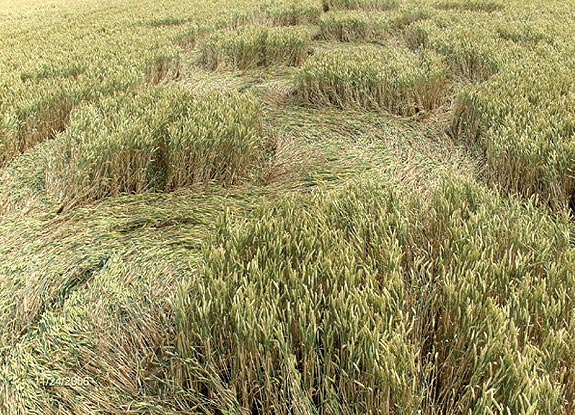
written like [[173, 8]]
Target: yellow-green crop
[[287, 207]]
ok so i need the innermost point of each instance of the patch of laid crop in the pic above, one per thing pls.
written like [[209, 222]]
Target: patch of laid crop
[[155, 141], [255, 46], [368, 77], [87, 303]]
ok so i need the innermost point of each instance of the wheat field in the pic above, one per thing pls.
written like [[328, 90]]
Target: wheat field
[[296, 207]]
